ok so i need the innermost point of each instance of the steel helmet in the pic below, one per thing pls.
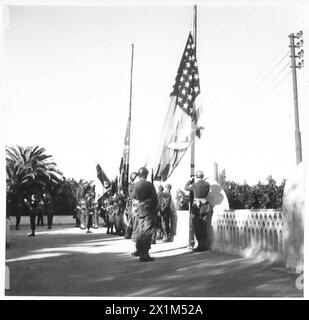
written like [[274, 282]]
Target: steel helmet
[[199, 174], [168, 186], [133, 176], [142, 172]]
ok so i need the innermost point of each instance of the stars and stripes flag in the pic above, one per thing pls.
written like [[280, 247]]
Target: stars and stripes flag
[[183, 109]]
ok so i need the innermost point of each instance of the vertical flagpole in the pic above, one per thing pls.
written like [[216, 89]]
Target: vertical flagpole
[[130, 111], [192, 163], [192, 121]]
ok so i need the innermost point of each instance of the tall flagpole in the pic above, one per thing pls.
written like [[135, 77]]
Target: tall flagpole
[[192, 121], [130, 110], [192, 162]]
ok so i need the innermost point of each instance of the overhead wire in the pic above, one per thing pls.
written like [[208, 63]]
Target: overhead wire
[[267, 87], [263, 77]]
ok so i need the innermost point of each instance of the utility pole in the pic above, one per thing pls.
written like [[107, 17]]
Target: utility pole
[[294, 66]]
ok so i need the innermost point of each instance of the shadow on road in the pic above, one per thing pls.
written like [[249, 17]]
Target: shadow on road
[[68, 262]]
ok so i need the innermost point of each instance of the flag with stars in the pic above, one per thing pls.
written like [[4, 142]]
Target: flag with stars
[[184, 109]]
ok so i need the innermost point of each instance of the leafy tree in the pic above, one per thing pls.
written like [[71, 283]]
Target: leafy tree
[[28, 171], [68, 193]]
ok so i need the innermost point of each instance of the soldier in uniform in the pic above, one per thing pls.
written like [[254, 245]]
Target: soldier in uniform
[[88, 211], [160, 232], [81, 211], [129, 211], [146, 205], [49, 209], [201, 211], [31, 208], [40, 212], [172, 214]]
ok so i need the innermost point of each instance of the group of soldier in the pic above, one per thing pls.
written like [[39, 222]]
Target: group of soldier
[[36, 207], [152, 214], [143, 215]]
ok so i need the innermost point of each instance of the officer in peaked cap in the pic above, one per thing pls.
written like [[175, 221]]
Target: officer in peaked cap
[[201, 210], [146, 202]]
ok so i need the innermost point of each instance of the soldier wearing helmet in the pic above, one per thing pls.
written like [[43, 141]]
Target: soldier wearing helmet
[[168, 214], [201, 211], [131, 217], [146, 202]]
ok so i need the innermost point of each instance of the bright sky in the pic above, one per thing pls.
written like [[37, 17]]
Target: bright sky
[[68, 72]]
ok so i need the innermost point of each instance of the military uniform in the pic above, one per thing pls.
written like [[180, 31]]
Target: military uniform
[[49, 209], [165, 213], [160, 231], [81, 211], [201, 213], [40, 212], [89, 209], [129, 212], [146, 205], [31, 208]]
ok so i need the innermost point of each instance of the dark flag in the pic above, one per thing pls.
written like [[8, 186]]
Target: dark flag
[[101, 175], [183, 109], [124, 163]]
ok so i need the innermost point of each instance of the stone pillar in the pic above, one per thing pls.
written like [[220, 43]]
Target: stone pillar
[[293, 215]]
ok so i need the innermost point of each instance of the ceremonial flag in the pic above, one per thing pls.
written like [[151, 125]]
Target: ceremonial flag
[[183, 109], [124, 163], [101, 175]]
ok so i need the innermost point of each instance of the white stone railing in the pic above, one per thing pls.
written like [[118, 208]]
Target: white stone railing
[[249, 233]]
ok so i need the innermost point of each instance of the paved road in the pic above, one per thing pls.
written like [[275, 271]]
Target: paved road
[[65, 261]]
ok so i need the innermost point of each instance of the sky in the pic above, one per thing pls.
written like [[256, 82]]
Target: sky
[[68, 79]]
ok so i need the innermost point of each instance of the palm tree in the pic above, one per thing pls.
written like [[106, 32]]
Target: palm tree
[[29, 170], [79, 188]]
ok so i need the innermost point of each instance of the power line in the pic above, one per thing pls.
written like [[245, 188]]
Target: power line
[[268, 93], [267, 85], [262, 77]]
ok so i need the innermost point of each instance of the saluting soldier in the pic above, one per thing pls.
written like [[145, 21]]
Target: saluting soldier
[[201, 211], [146, 204]]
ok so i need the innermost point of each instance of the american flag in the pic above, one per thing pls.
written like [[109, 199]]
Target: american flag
[[183, 109], [187, 83]]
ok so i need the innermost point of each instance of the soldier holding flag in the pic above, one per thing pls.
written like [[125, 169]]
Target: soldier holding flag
[[201, 211]]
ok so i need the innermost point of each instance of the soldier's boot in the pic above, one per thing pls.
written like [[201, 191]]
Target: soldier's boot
[[145, 257]]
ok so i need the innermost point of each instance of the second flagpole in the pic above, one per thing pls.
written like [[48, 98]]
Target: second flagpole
[[130, 111]]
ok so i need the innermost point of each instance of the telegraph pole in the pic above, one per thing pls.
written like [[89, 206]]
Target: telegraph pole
[[294, 66]]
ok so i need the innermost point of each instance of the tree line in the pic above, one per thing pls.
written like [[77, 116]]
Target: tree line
[[30, 170]]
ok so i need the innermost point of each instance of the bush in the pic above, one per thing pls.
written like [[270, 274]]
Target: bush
[[244, 196], [259, 196]]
